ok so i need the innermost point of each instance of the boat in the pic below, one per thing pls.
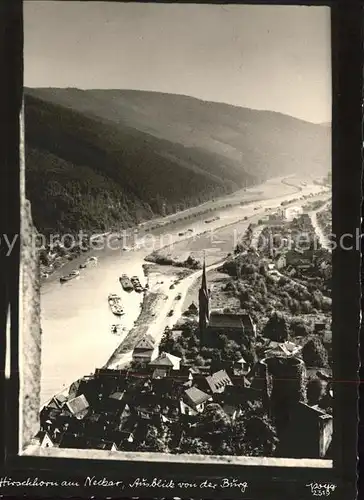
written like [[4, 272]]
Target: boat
[[115, 304], [117, 329], [126, 283], [90, 260], [70, 276], [136, 284]]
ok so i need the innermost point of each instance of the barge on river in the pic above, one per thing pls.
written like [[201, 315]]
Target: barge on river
[[115, 304], [72, 275], [126, 283]]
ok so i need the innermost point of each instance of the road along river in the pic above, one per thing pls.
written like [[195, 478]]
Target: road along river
[[75, 316]]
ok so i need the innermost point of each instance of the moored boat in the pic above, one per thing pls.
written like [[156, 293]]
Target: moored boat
[[126, 283], [117, 329], [136, 284], [90, 260], [70, 276], [115, 304]]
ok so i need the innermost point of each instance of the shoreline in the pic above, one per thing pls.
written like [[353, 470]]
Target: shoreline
[[85, 295], [162, 223], [122, 349]]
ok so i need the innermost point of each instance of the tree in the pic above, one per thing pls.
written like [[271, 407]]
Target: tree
[[260, 436], [199, 360], [214, 420], [231, 348], [43, 257], [316, 389], [216, 362], [222, 342], [196, 446], [177, 350], [314, 353], [276, 328], [299, 328], [154, 442]]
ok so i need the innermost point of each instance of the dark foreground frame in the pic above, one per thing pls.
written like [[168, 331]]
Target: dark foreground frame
[[264, 476]]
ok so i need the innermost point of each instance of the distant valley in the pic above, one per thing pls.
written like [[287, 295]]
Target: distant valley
[[99, 160]]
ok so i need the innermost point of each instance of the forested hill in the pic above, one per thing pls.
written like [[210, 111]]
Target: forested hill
[[98, 160]]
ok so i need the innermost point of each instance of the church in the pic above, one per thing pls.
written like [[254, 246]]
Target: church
[[212, 323]]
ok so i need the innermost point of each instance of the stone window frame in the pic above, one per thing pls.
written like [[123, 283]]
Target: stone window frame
[[21, 272]]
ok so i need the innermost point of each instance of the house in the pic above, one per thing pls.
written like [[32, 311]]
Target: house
[[145, 350], [315, 441], [218, 381], [43, 439], [78, 406], [100, 444], [281, 348], [291, 271], [185, 409], [234, 326], [115, 402], [196, 399], [80, 386], [72, 441], [166, 361], [126, 436], [280, 261], [58, 401], [117, 396]]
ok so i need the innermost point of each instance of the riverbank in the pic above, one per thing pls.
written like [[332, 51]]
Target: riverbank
[[76, 318], [58, 254]]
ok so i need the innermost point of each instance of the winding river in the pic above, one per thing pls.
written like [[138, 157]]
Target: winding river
[[75, 316]]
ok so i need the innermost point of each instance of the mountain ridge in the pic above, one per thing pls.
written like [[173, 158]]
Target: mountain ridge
[[153, 153], [190, 97]]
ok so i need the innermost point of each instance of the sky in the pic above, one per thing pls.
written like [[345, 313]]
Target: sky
[[263, 57]]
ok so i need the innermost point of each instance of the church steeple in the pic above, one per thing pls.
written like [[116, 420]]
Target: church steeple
[[203, 300]]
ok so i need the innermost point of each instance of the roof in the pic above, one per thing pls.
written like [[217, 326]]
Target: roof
[[218, 380], [61, 399], [53, 404], [41, 435], [71, 440], [230, 320], [78, 404], [147, 342], [165, 359], [99, 444], [117, 395], [196, 395], [315, 409]]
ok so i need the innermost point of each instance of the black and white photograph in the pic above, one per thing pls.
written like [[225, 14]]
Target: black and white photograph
[[178, 167]]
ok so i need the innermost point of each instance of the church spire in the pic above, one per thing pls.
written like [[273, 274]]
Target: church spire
[[204, 280], [203, 299]]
